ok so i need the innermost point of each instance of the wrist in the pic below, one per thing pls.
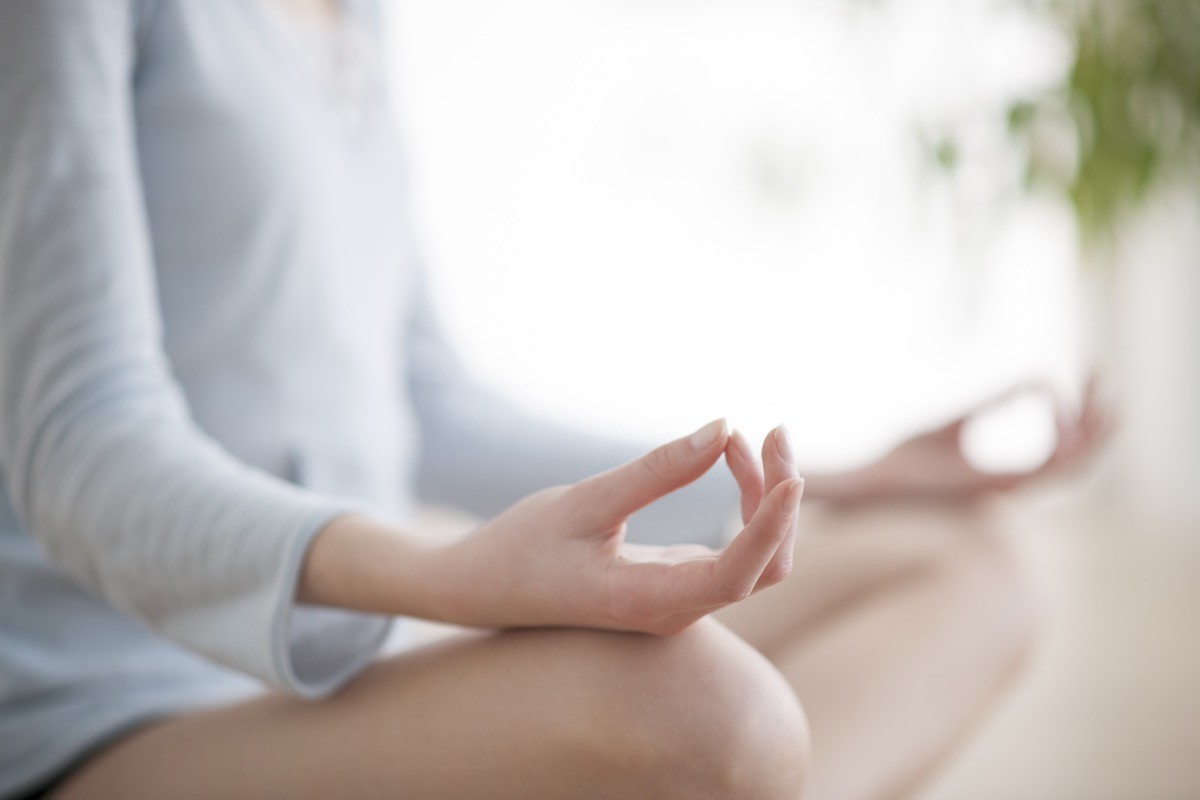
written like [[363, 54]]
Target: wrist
[[362, 564]]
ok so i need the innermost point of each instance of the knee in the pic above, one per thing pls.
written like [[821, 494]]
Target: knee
[[702, 715]]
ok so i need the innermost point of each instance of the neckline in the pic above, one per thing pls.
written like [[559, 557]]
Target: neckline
[[328, 65]]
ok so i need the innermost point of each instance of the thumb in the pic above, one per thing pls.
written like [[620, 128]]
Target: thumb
[[609, 498]]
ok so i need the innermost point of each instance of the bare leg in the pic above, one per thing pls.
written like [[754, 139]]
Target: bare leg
[[533, 714], [898, 627]]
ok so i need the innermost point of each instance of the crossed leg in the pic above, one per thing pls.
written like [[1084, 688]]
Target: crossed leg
[[896, 629], [530, 714]]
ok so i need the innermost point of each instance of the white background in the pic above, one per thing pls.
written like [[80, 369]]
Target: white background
[[643, 214]]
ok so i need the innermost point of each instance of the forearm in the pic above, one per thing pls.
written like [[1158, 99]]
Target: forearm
[[362, 564]]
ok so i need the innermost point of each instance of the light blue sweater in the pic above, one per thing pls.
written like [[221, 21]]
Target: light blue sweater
[[213, 338]]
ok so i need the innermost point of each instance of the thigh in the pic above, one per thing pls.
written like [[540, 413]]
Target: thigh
[[520, 714], [843, 556]]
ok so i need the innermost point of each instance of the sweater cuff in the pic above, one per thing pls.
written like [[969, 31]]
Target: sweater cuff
[[315, 650]]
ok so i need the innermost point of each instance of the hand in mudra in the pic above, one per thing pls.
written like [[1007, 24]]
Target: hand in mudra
[[559, 557], [933, 465]]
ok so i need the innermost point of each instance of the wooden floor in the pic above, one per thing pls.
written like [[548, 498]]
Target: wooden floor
[[1111, 711]]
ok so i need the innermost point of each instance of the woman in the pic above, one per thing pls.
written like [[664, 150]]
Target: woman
[[221, 388]]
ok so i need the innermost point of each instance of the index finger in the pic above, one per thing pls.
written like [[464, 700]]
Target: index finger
[[611, 497]]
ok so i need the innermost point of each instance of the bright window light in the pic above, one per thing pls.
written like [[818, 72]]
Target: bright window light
[[642, 215]]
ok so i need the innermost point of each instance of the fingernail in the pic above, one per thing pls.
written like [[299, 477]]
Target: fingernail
[[706, 436], [791, 503], [783, 443]]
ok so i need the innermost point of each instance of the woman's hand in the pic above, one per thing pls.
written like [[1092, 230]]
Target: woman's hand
[[559, 558], [932, 465]]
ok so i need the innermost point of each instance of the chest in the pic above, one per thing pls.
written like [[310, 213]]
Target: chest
[[270, 170]]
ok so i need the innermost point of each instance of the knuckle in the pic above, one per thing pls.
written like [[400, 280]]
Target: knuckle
[[783, 569], [660, 463], [776, 572], [735, 592]]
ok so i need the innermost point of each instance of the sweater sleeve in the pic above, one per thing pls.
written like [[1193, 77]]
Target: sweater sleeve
[[99, 455], [481, 453]]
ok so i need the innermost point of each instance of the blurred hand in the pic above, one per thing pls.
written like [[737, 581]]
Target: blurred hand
[[559, 558], [932, 464]]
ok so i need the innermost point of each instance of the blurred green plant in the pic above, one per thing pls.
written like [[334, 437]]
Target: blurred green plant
[[1130, 104]]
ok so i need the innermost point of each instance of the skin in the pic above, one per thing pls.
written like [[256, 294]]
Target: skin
[[535, 713], [902, 622]]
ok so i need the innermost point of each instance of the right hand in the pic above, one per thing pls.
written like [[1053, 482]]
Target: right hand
[[558, 557]]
